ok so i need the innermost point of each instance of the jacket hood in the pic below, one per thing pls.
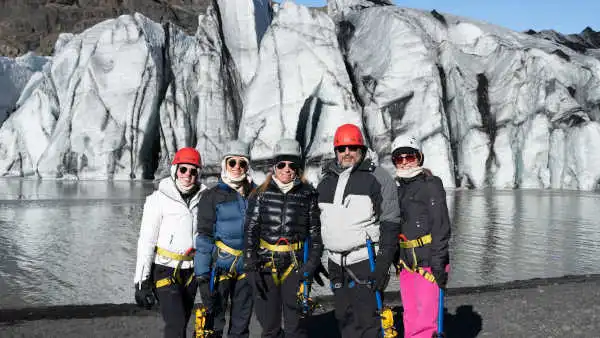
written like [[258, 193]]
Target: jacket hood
[[168, 188]]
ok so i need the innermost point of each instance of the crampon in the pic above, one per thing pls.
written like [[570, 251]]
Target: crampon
[[200, 330], [387, 322], [306, 304]]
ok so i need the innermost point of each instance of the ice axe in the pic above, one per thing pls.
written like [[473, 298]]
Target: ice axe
[[440, 328], [385, 312], [307, 303]]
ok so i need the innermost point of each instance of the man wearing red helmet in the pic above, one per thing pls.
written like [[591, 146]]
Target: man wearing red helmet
[[358, 200], [165, 262]]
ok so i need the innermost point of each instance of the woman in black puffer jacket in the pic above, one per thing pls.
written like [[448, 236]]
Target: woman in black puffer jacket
[[281, 216], [424, 255]]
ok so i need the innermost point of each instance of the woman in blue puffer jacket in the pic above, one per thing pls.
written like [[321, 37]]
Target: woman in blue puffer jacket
[[218, 263]]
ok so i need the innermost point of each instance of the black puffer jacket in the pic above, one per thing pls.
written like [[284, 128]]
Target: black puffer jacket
[[272, 215], [423, 201]]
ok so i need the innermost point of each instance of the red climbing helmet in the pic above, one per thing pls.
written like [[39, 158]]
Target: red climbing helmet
[[348, 135], [188, 155]]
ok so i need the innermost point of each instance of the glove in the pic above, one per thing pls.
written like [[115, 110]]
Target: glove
[[204, 289], [320, 273], [306, 272], [441, 278], [250, 263], [258, 284], [382, 275], [144, 295]]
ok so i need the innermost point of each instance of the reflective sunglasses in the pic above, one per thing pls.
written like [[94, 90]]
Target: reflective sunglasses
[[232, 162], [193, 171], [408, 158], [292, 165], [342, 149]]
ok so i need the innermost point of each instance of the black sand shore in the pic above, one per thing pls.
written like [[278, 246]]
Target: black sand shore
[[556, 307]]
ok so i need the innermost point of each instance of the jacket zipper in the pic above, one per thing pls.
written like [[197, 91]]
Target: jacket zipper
[[283, 214]]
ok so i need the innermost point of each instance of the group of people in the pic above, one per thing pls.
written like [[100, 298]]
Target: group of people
[[251, 248]]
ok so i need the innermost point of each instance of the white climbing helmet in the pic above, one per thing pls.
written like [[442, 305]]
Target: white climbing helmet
[[406, 141], [287, 146], [237, 148]]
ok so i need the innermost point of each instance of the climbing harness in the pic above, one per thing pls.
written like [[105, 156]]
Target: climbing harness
[[287, 247], [232, 273], [385, 312], [175, 277], [412, 244]]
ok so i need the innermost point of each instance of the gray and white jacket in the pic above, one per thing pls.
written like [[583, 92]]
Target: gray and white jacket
[[357, 203]]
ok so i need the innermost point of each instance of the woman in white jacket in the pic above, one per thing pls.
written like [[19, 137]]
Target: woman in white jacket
[[165, 263]]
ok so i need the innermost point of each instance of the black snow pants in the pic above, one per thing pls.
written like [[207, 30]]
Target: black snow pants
[[277, 298], [176, 300], [237, 294], [355, 304]]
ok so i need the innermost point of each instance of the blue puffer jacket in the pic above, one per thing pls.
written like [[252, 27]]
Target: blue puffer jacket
[[221, 213]]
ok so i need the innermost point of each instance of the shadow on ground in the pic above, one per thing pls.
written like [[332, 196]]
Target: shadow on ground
[[465, 323]]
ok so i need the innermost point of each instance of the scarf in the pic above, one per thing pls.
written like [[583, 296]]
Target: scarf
[[408, 173], [284, 187], [237, 183]]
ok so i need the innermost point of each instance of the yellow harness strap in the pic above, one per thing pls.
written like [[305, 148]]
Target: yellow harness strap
[[290, 247], [175, 279], [281, 247], [412, 244], [222, 246], [173, 255], [416, 243]]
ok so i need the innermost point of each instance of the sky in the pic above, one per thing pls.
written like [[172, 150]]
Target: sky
[[561, 15]]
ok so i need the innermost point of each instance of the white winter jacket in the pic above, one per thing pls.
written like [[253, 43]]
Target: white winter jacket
[[168, 223]]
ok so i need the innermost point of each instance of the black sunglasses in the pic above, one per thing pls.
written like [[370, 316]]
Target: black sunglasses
[[342, 149], [232, 162], [292, 165], [193, 171]]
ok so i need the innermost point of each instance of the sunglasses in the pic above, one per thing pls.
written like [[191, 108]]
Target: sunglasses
[[233, 162], [292, 165], [193, 171], [342, 149], [408, 158]]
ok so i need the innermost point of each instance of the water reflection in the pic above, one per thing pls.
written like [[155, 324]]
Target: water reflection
[[74, 243]]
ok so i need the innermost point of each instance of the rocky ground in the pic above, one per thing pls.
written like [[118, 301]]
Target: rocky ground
[[564, 307]]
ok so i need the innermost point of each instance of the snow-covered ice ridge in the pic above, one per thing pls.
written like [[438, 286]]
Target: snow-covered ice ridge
[[493, 107]]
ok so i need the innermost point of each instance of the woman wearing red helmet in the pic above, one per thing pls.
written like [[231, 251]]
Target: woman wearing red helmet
[[165, 263]]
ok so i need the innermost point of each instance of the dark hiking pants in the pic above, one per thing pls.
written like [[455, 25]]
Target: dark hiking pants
[[277, 299], [237, 294], [176, 300], [355, 304]]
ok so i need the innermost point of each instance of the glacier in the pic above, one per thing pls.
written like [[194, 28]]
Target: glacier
[[14, 75], [492, 107]]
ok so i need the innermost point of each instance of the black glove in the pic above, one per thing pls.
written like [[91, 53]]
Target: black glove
[[441, 277], [382, 275], [144, 295], [258, 284], [320, 273], [306, 272], [250, 263], [204, 289]]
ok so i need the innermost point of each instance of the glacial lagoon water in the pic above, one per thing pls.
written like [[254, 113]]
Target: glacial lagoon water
[[65, 242]]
